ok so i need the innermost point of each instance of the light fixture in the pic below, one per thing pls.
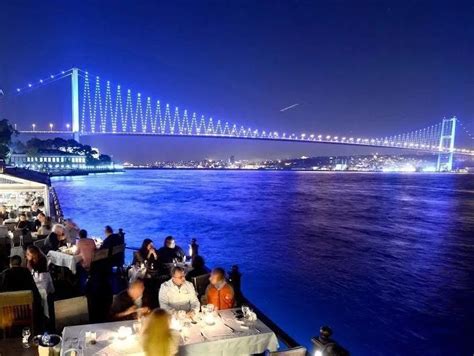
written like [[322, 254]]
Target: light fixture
[[323, 345]]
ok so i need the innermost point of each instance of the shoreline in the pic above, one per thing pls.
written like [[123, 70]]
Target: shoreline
[[286, 170]]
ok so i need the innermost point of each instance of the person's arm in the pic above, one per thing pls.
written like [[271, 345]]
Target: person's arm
[[116, 310], [163, 298]]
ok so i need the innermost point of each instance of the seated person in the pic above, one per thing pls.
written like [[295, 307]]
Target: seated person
[[85, 248], [199, 268], [36, 260], [170, 252], [45, 227], [40, 219], [35, 210], [178, 294], [111, 240], [18, 278], [71, 230], [3, 213], [157, 337], [22, 222], [219, 293], [12, 218], [130, 303], [146, 255], [56, 239]]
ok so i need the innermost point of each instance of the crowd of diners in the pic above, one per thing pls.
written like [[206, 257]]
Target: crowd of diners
[[157, 283]]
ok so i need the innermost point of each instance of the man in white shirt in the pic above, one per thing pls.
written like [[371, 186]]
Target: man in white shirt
[[178, 294]]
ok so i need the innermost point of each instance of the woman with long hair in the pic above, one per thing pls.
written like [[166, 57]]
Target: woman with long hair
[[157, 337], [146, 254], [36, 260]]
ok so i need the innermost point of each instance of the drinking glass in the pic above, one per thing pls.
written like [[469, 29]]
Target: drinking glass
[[245, 310], [26, 333], [68, 244]]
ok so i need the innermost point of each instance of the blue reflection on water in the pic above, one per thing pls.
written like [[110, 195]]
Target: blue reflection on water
[[386, 260]]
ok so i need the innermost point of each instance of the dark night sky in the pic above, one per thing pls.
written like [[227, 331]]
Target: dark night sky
[[356, 68]]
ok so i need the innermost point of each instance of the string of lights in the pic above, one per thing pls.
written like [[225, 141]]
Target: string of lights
[[113, 115]]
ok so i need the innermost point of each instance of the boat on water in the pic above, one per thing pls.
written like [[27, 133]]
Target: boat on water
[[72, 317]]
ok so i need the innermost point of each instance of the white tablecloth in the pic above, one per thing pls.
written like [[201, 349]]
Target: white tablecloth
[[200, 339], [64, 260]]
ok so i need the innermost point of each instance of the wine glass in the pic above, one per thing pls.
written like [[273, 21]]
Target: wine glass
[[26, 333], [245, 310]]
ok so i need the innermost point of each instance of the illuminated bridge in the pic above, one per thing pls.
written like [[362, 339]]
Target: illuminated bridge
[[98, 108]]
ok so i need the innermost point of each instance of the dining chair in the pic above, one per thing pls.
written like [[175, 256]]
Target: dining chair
[[294, 351], [17, 238], [100, 255], [16, 309], [39, 243], [200, 284], [3, 231], [72, 311]]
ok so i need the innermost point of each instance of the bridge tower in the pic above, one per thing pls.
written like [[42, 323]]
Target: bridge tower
[[446, 145], [75, 103]]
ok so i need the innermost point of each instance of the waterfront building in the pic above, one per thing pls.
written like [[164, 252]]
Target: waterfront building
[[48, 161]]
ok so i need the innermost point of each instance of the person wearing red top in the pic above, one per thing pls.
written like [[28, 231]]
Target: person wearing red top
[[219, 293]]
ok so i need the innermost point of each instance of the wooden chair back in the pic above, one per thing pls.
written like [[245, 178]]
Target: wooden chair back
[[16, 309], [72, 311], [200, 284]]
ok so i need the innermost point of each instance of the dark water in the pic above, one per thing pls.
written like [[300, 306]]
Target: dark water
[[386, 260]]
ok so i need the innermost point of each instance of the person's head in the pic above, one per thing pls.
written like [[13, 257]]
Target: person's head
[[58, 229], [15, 261], [83, 234], [136, 289], [12, 215], [33, 253], [178, 276], [3, 209], [147, 245], [217, 276], [34, 207], [198, 262], [157, 334], [69, 223], [22, 217], [108, 230], [170, 242], [41, 217]]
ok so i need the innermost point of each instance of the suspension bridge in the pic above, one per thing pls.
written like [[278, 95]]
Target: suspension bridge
[[98, 108]]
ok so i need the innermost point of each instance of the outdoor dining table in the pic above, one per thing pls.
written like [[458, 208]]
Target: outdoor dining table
[[227, 336], [64, 259]]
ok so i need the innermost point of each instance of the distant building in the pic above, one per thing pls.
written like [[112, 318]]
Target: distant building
[[48, 161]]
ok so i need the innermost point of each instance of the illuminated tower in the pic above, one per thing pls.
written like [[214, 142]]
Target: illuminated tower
[[75, 102], [446, 145]]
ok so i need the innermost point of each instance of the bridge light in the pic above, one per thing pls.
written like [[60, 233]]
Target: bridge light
[[62, 72], [312, 136], [18, 90], [51, 76], [68, 126], [29, 84], [50, 127], [328, 137], [320, 137], [41, 80], [335, 138], [33, 126]]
